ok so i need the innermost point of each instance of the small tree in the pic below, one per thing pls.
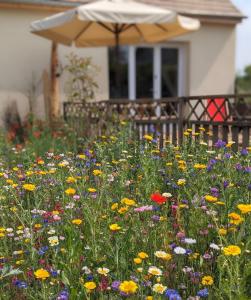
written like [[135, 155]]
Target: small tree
[[81, 85], [243, 82]]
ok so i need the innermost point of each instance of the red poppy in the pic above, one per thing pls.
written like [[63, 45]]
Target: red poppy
[[158, 198]]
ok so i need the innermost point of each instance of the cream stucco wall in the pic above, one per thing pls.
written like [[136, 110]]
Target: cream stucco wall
[[210, 61], [24, 56]]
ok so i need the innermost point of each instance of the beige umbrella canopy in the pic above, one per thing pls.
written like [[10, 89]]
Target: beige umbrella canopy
[[109, 23], [113, 22]]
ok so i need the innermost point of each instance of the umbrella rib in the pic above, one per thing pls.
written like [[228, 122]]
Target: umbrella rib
[[106, 27], [83, 30], [161, 27], [139, 31]]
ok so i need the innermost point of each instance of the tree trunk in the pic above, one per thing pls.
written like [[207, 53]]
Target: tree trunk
[[55, 101]]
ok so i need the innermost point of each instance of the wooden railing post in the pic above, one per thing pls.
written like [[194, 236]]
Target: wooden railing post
[[181, 108]]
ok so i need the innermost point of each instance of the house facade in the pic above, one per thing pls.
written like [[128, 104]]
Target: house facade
[[199, 63]]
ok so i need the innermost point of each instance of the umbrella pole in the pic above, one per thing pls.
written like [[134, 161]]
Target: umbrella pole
[[54, 103], [118, 83]]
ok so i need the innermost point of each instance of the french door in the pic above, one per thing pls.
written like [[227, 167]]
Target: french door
[[148, 72]]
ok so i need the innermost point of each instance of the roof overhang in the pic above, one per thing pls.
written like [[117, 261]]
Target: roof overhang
[[59, 6]]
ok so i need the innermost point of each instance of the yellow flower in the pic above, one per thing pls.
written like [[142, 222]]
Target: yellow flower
[[19, 262], [76, 221], [143, 255], [137, 260], [81, 156], [70, 191], [29, 187], [244, 208], [71, 179], [123, 210], [229, 144], [37, 226], [148, 137], [232, 250], [200, 166], [220, 203], [114, 227], [90, 285], [149, 298], [114, 206], [55, 212], [154, 271], [236, 219], [53, 240], [159, 288], [222, 231], [181, 182], [210, 198], [207, 280], [92, 190], [97, 172], [169, 164], [128, 287], [128, 202], [163, 255], [103, 271], [41, 274]]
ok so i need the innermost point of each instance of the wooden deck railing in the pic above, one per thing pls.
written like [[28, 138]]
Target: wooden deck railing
[[226, 117]]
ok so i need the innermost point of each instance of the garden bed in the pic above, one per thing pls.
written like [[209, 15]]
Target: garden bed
[[119, 218]]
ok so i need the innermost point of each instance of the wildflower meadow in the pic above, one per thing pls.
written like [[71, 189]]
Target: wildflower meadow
[[115, 218]]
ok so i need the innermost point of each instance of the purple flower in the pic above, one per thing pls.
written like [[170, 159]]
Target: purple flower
[[244, 152], [155, 218], [248, 169], [115, 285], [220, 144], [147, 283], [64, 295], [227, 155], [238, 167], [225, 184], [203, 293]]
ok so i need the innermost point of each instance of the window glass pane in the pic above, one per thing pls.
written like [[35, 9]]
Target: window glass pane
[[118, 72], [144, 72], [169, 72]]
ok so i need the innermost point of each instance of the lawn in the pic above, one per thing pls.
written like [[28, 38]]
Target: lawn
[[114, 218]]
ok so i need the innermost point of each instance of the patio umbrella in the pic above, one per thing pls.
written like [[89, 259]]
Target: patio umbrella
[[113, 23]]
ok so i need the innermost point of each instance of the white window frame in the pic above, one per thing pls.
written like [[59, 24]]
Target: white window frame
[[182, 69]]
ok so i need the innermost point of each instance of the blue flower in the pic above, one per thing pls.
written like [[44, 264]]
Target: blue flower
[[21, 284], [43, 250], [64, 295], [89, 277], [172, 295], [203, 293], [54, 273]]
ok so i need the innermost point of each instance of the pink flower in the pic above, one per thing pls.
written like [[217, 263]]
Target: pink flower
[[56, 218], [144, 208]]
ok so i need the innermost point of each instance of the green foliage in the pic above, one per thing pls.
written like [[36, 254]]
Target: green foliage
[[124, 172], [81, 85], [243, 82]]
